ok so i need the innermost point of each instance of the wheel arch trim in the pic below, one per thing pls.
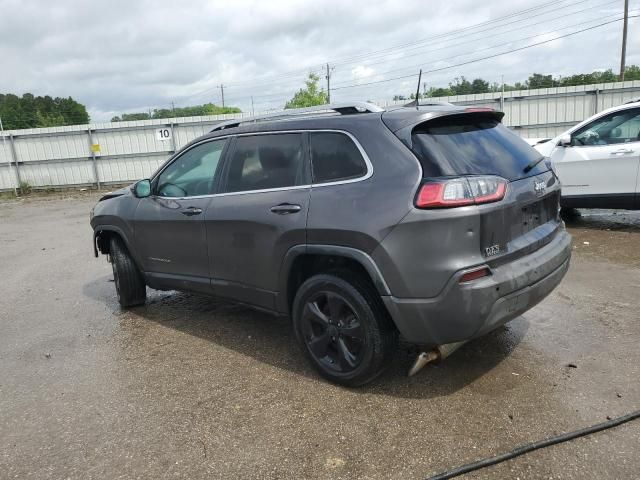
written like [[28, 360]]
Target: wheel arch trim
[[328, 250], [115, 229]]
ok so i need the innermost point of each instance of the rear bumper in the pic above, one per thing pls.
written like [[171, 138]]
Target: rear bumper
[[465, 311]]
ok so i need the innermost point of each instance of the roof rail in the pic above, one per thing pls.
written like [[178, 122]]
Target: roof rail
[[341, 108]]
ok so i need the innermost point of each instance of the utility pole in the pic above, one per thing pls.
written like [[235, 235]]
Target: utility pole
[[222, 94], [424, 89], [328, 77], [624, 39], [253, 112], [173, 109]]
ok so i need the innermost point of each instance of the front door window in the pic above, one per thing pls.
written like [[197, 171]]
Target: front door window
[[615, 128], [191, 174]]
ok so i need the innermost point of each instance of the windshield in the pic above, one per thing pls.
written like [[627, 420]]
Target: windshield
[[472, 144]]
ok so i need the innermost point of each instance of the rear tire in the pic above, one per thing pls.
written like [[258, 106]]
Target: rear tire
[[343, 328], [130, 285], [569, 213]]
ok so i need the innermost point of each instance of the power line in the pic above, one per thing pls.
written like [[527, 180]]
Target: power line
[[412, 68], [342, 60], [283, 95], [427, 40], [484, 58], [493, 34], [369, 54]]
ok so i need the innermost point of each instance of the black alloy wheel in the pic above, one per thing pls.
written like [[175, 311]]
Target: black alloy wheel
[[332, 332], [343, 327]]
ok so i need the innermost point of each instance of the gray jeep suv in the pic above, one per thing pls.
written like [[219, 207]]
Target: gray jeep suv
[[433, 222]]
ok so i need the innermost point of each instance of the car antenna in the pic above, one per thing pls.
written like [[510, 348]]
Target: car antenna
[[418, 90]]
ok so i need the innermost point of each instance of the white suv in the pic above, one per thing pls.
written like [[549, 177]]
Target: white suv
[[598, 160]]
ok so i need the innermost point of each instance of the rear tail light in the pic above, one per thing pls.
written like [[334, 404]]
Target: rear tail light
[[458, 192], [475, 274]]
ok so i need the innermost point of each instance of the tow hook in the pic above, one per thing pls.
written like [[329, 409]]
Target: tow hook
[[436, 354]]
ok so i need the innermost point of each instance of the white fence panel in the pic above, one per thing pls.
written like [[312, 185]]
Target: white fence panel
[[51, 147], [123, 170], [127, 142], [126, 151], [57, 173], [7, 177]]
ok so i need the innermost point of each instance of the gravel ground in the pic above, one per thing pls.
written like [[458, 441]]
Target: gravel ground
[[192, 387]]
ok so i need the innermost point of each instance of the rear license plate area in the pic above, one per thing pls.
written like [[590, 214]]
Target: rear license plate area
[[539, 213]]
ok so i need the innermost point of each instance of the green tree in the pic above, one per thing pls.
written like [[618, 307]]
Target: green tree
[[537, 80], [192, 111], [30, 111], [439, 92], [632, 72], [130, 117], [308, 96], [48, 119], [461, 86], [479, 86]]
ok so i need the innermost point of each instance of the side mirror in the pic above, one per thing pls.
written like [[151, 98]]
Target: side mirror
[[565, 140], [142, 189]]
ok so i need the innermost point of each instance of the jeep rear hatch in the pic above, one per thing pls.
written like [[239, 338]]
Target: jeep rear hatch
[[469, 158]]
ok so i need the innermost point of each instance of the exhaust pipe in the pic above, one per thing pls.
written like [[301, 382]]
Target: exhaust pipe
[[438, 353]]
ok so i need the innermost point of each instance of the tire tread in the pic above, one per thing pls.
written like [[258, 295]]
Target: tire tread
[[132, 288]]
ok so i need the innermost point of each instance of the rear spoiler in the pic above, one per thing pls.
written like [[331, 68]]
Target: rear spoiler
[[402, 121]]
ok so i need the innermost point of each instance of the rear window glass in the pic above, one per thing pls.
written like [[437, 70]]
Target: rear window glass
[[267, 161], [335, 157], [472, 145]]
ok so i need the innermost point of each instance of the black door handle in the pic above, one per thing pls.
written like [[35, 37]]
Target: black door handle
[[191, 211], [286, 208]]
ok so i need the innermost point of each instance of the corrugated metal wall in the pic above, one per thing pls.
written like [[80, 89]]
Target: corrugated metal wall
[[63, 156]]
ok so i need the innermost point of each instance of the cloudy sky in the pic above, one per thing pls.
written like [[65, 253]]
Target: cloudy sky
[[119, 56]]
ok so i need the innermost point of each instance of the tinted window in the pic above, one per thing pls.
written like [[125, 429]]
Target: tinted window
[[192, 173], [618, 127], [472, 145], [335, 157], [267, 161]]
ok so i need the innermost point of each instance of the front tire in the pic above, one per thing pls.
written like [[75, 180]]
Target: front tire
[[130, 285], [343, 327]]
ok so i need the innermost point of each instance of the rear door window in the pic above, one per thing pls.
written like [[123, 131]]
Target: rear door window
[[334, 157], [261, 162], [472, 144]]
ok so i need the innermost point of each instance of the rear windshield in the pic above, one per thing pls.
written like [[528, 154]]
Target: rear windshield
[[472, 145]]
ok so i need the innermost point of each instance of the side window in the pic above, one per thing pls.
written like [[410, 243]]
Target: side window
[[617, 127], [335, 157], [267, 161], [192, 173]]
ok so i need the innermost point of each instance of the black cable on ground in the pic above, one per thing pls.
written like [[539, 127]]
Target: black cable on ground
[[530, 447]]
